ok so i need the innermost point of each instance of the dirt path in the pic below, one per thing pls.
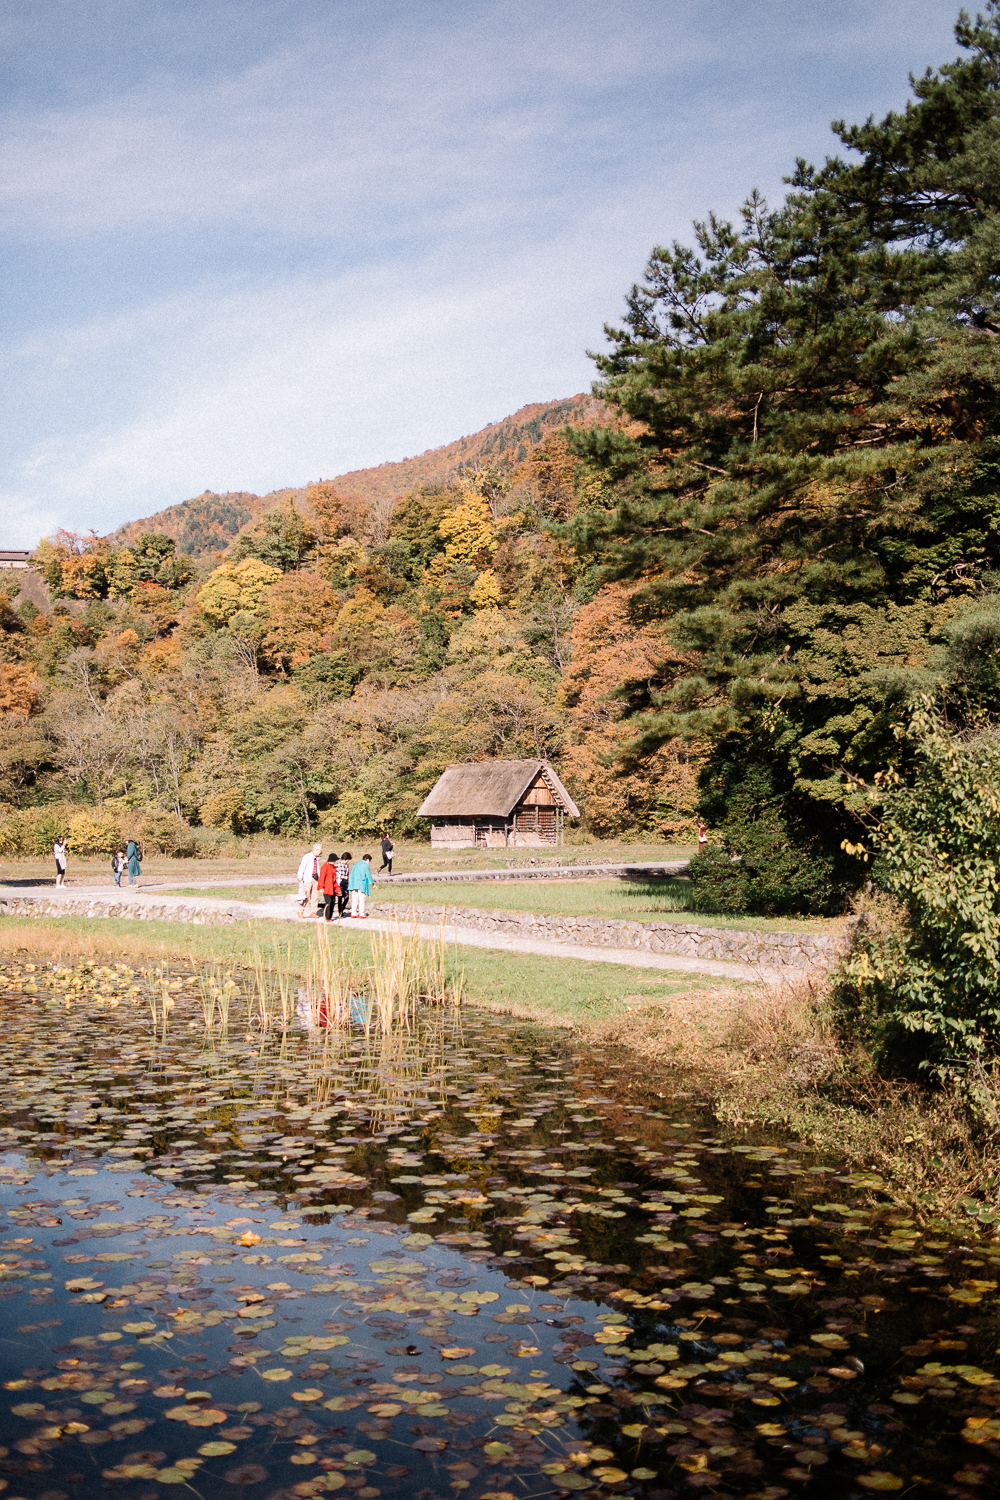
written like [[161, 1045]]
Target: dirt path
[[150, 905]]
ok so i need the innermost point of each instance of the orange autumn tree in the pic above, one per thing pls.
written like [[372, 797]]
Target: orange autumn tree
[[299, 609], [657, 792]]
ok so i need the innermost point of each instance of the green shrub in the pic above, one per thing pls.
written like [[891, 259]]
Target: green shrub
[[771, 858], [923, 987]]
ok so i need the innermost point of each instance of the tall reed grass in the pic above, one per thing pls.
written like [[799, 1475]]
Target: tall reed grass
[[335, 994]]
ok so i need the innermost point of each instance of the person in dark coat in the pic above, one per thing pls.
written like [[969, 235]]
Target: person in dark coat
[[388, 849], [134, 867], [343, 875]]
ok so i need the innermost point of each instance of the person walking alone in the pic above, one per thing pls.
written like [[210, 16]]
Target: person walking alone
[[308, 878], [328, 887], [388, 849], [360, 884], [343, 876], [132, 858], [59, 854]]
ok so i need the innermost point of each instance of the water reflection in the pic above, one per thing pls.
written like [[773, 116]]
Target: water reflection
[[479, 1257]]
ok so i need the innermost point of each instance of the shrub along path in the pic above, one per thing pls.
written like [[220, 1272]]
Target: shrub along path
[[99, 901]]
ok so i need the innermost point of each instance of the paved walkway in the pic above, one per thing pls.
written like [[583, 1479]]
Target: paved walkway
[[164, 907]]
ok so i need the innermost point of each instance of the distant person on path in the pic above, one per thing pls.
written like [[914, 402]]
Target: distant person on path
[[329, 887], [308, 878], [360, 884], [388, 849], [59, 853], [117, 866], [702, 837], [343, 876], [132, 855]]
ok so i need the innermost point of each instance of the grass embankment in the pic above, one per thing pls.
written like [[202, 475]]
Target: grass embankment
[[552, 991], [778, 1056]]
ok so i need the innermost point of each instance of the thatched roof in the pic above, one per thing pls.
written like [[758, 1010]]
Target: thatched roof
[[490, 789]]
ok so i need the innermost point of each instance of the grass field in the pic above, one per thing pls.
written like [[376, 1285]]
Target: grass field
[[554, 991], [279, 858], [633, 900], [641, 901]]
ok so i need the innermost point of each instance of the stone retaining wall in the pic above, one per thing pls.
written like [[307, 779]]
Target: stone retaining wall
[[793, 950], [796, 950], [134, 911]]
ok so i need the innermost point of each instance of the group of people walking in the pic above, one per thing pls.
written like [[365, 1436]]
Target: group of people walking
[[327, 887], [127, 858]]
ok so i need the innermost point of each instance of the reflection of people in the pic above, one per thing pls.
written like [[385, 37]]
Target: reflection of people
[[118, 865], [360, 884], [59, 852], [388, 848], [134, 867], [702, 837], [328, 887], [308, 878]]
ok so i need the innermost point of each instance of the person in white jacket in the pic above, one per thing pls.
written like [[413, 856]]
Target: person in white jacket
[[308, 877]]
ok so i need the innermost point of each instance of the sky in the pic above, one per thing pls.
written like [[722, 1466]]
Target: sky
[[253, 243]]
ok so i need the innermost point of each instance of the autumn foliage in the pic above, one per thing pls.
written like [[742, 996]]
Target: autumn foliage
[[344, 647]]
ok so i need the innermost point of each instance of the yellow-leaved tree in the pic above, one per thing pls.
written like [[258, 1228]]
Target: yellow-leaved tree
[[469, 533], [235, 588]]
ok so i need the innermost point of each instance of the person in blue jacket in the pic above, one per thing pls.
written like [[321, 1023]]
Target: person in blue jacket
[[360, 884]]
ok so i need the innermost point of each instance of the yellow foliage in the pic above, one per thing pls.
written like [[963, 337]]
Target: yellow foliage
[[469, 533], [83, 575], [486, 592], [224, 810], [94, 832], [235, 587]]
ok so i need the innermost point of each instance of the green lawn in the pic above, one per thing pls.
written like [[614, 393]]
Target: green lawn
[[555, 991], [236, 892], [643, 901]]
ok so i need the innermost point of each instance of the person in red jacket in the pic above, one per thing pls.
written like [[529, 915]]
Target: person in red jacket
[[329, 888]]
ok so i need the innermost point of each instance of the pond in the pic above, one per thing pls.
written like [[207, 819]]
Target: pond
[[472, 1259]]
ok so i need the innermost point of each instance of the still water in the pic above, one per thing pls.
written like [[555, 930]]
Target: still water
[[479, 1259]]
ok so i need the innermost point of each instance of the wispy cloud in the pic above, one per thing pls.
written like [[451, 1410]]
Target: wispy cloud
[[254, 242]]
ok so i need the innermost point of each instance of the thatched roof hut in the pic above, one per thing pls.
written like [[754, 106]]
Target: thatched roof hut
[[498, 803]]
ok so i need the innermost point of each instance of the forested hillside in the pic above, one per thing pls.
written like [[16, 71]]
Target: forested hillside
[[209, 522], [350, 643]]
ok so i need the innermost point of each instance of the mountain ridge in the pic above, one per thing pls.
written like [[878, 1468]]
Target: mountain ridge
[[211, 521]]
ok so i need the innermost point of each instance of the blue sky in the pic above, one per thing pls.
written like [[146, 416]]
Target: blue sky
[[250, 243]]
